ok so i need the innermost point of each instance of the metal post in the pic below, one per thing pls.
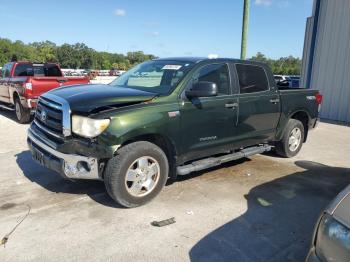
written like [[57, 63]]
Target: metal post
[[246, 9]]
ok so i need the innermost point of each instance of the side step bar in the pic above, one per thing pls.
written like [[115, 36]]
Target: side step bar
[[7, 107], [216, 161]]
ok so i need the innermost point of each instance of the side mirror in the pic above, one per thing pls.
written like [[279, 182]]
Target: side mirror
[[202, 89]]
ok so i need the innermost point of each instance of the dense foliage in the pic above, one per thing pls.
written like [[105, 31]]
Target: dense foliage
[[68, 56], [81, 56], [283, 66]]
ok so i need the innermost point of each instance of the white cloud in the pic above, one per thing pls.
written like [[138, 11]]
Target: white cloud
[[283, 3], [263, 2], [278, 3], [120, 12], [151, 24], [153, 34], [213, 56]]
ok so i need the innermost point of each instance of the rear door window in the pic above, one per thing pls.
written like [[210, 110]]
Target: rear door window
[[6, 71], [251, 78], [37, 70], [23, 70]]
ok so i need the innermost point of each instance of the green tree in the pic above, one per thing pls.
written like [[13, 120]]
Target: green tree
[[283, 66]]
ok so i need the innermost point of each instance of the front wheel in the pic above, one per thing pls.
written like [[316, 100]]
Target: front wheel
[[22, 114], [136, 174], [292, 139]]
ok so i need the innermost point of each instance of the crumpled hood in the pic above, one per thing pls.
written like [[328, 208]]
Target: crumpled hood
[[88, 98]]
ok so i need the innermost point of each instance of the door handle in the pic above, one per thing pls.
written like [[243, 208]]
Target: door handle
[[274, 101], [231, 105]]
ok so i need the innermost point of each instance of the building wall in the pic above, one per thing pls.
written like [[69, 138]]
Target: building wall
[[331, 59], [306, 52]]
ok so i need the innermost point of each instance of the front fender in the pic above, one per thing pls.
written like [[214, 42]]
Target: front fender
[[145, 120]]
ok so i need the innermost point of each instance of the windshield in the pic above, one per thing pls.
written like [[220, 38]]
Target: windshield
[[158, 76]]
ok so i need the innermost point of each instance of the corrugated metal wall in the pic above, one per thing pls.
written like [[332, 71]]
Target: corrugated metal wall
[[331, 65], [306, 52]]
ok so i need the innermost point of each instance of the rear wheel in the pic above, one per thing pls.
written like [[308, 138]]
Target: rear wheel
[[22, 114], [136, 174], [292, 140]]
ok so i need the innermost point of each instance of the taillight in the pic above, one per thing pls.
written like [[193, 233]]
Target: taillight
[[319, 98], [28, 88]]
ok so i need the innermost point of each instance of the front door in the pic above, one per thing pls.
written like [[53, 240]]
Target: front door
[[208, 123]]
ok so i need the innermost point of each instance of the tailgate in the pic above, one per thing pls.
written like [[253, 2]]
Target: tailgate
[[76, 81], [41, 85]]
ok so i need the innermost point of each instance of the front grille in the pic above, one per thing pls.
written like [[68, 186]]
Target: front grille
[[49, 118]]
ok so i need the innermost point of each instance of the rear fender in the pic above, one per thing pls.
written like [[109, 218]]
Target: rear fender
[[301, 115]]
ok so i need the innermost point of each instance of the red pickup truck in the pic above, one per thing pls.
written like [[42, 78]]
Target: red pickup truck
[[22, 83]]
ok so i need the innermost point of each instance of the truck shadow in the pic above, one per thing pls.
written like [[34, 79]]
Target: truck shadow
[[11, 115], [94, 189], [55, 183], [280, 219], [8, 114]]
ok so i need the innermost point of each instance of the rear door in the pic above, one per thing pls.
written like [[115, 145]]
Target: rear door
[[207, 123], [4, 83], [259, 105]]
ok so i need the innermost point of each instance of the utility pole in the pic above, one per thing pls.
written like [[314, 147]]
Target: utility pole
[[246, 9]]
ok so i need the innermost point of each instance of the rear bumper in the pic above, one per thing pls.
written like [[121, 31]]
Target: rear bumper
[[32, 102], [68, 165], [314, 123]]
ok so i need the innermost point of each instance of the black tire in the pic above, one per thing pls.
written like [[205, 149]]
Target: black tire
[[117, 167], [22, 114], [283, 147]]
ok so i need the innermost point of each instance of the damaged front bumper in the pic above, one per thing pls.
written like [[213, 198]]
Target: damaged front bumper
[[68, 165]]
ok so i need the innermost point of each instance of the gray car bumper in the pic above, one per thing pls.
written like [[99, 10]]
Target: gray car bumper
[[312, 257], [68, 165]]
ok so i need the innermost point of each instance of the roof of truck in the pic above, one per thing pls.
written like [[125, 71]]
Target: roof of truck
[[183, 59], [200, 59]]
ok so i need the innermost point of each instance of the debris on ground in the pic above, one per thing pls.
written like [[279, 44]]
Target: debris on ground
[[7, 236], [163, 223], [189, 212], [264, 202]]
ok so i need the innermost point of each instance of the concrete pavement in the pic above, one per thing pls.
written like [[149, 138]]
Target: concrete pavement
[[257, 209]]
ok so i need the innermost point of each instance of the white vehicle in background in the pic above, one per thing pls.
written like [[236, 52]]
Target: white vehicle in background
[[66, 71], [74, 72], [116, 72], [291, 81], [103, 72], [280, 78]]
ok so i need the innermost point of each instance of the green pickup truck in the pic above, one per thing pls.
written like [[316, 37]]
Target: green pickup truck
[[168, 117]]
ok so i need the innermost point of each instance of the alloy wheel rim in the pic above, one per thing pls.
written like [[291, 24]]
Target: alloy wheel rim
[[294, 139], [18, 111], [142, 176]]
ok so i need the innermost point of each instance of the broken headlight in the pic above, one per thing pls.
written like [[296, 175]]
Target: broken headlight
[[88, 127]]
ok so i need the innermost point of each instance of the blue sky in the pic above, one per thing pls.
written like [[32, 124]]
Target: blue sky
[[161, 27]]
